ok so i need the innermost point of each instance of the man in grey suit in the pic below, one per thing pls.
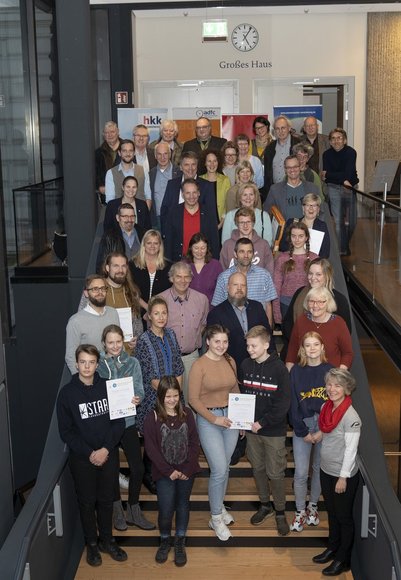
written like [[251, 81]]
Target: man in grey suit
[[319, 142]]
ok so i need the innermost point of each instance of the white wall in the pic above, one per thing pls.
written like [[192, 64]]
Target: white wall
[[301, 46]]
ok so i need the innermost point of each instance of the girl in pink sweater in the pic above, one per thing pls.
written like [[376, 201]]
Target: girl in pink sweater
[[290, 268]]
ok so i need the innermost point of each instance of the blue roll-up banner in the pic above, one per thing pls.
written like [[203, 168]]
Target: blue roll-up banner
[[298, 113]]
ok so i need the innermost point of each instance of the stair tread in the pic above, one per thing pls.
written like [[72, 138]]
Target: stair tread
[[239, 489], [198, 526]]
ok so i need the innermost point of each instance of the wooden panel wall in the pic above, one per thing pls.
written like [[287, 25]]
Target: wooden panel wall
[[383, 90]]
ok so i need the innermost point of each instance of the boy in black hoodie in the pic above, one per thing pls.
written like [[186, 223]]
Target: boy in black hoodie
[[85, 426], [266, 376]]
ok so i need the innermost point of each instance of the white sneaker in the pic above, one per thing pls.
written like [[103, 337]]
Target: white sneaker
[[222, 532], [298, 521], [227, 517], [123, 480], [312, 515]]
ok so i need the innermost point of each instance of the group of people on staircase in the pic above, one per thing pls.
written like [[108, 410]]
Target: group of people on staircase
[[202, 321]]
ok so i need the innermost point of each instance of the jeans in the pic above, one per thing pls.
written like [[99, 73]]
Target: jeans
[[339, 510], [343, 209], [94, 487], [302, 454], [173, 496], [132, 448], [268, 457], [218, 444]]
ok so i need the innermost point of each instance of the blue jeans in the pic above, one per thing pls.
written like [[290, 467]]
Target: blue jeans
[[302, 454], [343, 209], [173, 496], [218, 444]]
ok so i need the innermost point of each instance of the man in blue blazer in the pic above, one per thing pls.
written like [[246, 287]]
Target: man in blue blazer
[[239, 314], [173, 196]]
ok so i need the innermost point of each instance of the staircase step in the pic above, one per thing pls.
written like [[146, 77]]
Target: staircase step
[[239, 489], [198, 526]]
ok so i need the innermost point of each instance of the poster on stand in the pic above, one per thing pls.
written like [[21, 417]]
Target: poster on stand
[[127, 119], [298, 113], [186, 118]]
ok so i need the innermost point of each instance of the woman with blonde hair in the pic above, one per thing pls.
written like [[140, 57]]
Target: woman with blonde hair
[[244, 174], [320, 307], [149, 268], [307, 396], [248, 196]]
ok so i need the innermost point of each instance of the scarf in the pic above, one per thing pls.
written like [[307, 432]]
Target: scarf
[[329, 419]]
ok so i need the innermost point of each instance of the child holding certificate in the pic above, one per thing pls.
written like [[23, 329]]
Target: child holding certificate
[[85, 426], [115, 363], [308, 393], [172, 443], [265, 375]]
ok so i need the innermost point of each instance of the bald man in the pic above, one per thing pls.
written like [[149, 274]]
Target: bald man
[[239, 314]]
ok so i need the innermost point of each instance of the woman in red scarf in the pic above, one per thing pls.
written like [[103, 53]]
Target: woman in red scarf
[[340, 427]]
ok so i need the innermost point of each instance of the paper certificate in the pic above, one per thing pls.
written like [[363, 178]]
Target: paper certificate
[[241, 410], [315, 240], [119, 394], [125, 316]]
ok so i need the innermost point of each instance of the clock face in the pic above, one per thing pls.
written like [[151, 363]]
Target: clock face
[[245, 37]]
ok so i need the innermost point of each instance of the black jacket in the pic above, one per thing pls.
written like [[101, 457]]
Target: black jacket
[[142, 214], [174, 232], [270, 382], [207, 199], [113, 241], [224, 314]]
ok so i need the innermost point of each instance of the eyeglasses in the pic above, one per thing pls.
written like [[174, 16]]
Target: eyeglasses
[[317, 302], [98, 289], [257, 127], [140, 136], [245, 223], [291, 167], [230, 155]]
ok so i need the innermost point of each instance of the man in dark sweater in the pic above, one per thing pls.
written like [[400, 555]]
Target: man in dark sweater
[[339, 172], [85, 426], [265, 376]]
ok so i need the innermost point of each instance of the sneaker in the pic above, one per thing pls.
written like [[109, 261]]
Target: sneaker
[[222, 532], [164, 549], [180, 556], [312, 515], [227, 517], [118, 516], [298, 521], [93, 556], [123, 480], [135, 517], [264, 512], [282, 525], [113, 549]]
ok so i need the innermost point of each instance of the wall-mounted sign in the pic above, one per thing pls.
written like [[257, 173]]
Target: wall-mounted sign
[[121, 97]]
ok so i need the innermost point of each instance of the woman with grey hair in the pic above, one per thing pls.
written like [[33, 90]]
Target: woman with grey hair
[[320, 306], [168, 134], [340, 428]]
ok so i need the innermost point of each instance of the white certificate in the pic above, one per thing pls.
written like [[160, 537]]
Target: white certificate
[[120, 393], [315, 240], [241, 410], [125, 316]]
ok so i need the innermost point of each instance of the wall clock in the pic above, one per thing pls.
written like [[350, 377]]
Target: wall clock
[[245, 37]]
